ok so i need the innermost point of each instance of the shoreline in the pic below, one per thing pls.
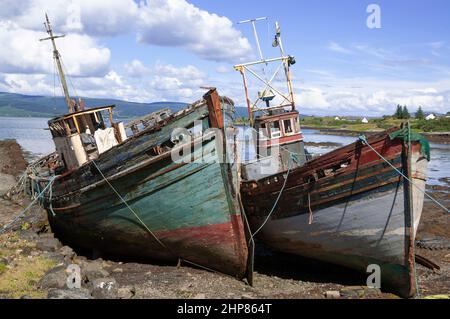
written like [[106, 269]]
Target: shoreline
[[433, 137], [31, 248]]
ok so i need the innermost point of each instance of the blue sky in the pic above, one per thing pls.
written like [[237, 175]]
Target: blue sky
[[167, 49]]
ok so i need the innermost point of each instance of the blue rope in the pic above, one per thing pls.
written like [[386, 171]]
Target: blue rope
[[277, 200], [364, 140], [22, 213]]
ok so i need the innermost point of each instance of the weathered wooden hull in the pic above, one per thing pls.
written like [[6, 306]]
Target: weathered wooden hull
[[188, 211], [353, 215]]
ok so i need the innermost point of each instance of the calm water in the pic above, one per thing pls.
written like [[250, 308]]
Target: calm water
[[32, 135]]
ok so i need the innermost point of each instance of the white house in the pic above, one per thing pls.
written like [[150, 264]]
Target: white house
[[430, 117], [337, 118], [365, 121]]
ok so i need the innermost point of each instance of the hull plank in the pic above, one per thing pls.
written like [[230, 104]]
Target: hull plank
[[186, 210], [353, 215]]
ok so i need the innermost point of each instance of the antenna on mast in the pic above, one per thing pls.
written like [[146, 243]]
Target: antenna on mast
[[269, 92], [255, 33], [57, 57]]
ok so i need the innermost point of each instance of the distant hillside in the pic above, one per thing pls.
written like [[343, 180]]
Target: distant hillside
[[19, 105]]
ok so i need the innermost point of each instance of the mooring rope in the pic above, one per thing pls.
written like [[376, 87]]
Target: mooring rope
[[364, 140], [22, 213], [276, 201], [145, 226], [129, 207]]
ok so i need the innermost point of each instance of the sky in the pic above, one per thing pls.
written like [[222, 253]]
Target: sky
[[166, 50]]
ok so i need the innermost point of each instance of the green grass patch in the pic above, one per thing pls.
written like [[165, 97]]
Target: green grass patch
[[23, 278]]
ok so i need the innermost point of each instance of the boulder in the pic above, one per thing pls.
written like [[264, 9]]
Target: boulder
[[6, 182], [127, 292], [48, 244], [28, 235], [67, 252], [91, 270], [332, 294], [54, 278], [81, 293], [105, 288]]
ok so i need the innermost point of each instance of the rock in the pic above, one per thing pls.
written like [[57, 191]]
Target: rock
[[332, 294], [104, 288], [6, 182], [54, 278], [200, 296], [117, 270], [126, 292], [55, 256], [91, 270], [81, 293], [48, 244], [46, 235], [67, 252], [28, 235], [353, 292], [248, 296]]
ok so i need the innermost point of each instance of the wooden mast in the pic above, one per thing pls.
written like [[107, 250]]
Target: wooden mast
[[57, 57]]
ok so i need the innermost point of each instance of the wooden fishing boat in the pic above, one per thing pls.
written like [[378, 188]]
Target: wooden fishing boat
[[347, 207], [350, 207], [125, 195]]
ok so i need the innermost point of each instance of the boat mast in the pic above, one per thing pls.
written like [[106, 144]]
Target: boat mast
[[269, 92], [57, 57]]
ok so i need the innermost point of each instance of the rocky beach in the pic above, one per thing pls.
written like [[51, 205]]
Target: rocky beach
[[35, 264]]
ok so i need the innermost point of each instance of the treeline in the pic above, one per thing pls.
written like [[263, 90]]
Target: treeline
[[402, 113]]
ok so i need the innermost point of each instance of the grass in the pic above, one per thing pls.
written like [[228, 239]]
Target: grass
[[24, 277], [2, 267], [439, 125]]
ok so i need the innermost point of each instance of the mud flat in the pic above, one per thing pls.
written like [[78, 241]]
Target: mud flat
[[33, 263]]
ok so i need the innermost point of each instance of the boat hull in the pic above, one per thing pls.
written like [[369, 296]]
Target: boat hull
[[141, 202], [356, 216]]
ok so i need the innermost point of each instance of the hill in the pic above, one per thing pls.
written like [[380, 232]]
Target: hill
[[19, 105]]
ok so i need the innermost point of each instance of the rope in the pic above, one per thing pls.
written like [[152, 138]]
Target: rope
[[364, 140], [129, 207], [22, 213], [145, 226], [311, 216], [276, 201]]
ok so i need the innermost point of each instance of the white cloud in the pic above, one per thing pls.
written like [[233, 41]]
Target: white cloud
[[100, 17], [173, 23], [336, 47], [27, 84], [224, 69], [136, 69], [22, 52], [178, 23], [311, 98]]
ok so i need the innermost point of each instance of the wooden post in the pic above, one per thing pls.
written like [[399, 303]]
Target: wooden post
[[215, 108]]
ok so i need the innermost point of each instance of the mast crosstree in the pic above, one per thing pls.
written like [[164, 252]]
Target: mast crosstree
[[269, 91]]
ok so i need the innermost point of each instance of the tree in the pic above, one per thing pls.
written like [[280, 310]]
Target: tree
[[399, 112], [405, 113], [419, 114]]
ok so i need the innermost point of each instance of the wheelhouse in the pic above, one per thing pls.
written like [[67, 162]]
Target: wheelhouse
[[283, 128], [84, 135]]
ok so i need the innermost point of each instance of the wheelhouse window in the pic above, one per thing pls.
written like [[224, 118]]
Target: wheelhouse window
[[288, 127], [275, 131], [263, 131], [72, 127]]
